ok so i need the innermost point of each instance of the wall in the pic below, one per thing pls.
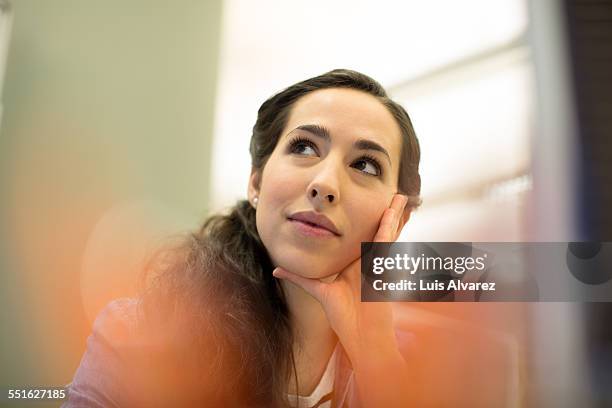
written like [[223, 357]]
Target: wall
[[105, 147]]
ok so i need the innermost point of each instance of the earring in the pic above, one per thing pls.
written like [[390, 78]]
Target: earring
[[255, 201]]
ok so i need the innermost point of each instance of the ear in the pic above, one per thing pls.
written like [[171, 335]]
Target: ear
[[254, 183]]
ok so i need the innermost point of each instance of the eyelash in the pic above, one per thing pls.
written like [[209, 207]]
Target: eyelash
[[296, 141], [300, 140], [373, 162]]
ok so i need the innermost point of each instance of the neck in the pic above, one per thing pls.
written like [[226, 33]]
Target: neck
[[314, 339], [307, 316]]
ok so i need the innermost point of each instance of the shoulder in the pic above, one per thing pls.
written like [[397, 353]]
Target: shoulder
[[97, 381], [125, 362], [117, 321], [130, 363]]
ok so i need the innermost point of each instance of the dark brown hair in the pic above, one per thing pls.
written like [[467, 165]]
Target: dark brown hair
[[217, 285]]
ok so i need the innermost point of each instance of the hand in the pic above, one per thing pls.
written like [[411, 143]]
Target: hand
[[358, 325]]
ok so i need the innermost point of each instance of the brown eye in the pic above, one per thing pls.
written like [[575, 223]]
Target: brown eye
[[303, 147], [369, 166]]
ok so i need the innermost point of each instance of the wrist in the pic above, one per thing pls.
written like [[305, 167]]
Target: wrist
[[373, 345]]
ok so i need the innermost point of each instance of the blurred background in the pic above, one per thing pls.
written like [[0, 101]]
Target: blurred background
[[123, 123]]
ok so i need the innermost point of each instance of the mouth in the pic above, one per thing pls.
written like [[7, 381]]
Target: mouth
[[313, 224]]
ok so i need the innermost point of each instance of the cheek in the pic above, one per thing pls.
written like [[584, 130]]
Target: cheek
[[279, 182], [365, 214], [279, 187]]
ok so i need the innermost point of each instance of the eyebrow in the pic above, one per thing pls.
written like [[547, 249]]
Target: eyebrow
[[361, 144]]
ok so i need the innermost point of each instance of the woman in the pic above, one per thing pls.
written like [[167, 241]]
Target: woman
[[262, 307]]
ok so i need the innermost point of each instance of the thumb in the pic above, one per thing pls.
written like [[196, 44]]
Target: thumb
[[313, 286]]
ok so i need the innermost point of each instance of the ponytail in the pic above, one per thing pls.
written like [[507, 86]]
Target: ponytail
[[216, 288]]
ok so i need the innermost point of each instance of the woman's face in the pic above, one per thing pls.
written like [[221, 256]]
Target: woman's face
[[337, 158]]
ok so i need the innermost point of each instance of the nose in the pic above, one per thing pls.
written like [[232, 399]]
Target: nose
[[324, 188], [315, 194]]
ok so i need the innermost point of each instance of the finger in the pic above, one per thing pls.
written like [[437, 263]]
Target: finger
[[388, 229], [399, 202], [312, 286], [386, 225], [401, 207]]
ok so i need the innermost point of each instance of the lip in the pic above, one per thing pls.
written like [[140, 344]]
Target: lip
[[313, 221]]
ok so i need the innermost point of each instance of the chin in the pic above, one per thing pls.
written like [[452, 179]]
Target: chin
[[306, 268]]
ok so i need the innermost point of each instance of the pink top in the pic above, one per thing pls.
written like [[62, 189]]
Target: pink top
[[118, 362]]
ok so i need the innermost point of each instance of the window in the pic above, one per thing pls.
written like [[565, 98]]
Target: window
[[461, 69]]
